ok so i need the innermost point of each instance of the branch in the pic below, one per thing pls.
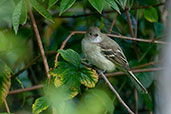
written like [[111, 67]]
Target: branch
[[132, 33], [107, 74], [33, 61], [39, 40], [6, 106], [116, 93], [128, 38], [135, 71], [136, 100], [113, 22], [25, 89], [65, 41], [137, 39]]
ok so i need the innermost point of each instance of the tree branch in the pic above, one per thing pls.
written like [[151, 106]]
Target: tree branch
[[134, 71], [6, 106], [116, 93], [113, 22], [127, 38], [132, 33], [25, 89], [39, 40], [33, 61], [65, 41]]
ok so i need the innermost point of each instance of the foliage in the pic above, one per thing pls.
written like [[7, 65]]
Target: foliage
[[5, 81], [74, 88]]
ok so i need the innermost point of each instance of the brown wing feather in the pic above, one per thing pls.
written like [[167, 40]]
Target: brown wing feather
[[114, 53]]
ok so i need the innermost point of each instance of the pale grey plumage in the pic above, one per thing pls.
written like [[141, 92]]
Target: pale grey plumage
[[106, 54]]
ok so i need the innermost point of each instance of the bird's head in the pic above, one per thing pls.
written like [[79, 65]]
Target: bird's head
[[93, 34]]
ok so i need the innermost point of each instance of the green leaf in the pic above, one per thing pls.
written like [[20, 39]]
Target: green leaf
[[67, 75], [23, 17], [51, 3], [151, 14], [113, 4], [146, 78], [5, 80], [65, 4], [97, 4], [122, 3], [39, 8], [40, 105], [16, 16], [6, 10], [148, 101], [71, 56]]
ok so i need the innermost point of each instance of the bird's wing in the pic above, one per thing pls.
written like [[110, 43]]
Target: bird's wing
[[111, 50]]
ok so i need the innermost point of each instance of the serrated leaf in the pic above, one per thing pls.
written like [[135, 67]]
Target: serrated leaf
[[23, 17], [88, 77], [40, 105], [51, 3], [39, 8], [16, 16], [151, 14], [113, 4], [5, 80], [66, 75], [65, 4], [71, 56], [97, 4]]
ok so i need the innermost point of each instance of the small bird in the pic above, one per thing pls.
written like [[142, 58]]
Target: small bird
[[106, 54]]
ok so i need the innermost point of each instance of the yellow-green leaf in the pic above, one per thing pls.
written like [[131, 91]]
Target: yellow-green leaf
[[88, 77], [39, 105], [5, 80], [151, 14]]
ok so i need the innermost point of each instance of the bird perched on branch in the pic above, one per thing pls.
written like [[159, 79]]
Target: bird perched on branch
[[106, 54]]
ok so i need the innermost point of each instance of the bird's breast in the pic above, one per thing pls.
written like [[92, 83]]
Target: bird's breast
[[93, 54]]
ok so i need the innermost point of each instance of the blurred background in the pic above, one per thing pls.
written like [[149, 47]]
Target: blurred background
[[22, 66]]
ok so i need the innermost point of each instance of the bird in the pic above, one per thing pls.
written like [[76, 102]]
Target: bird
[[105, 54]]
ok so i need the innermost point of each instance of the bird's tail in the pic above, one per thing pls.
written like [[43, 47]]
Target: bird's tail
[[138, 84]]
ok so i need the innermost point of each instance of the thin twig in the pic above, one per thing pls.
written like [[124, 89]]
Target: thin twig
[[136, 100], [137, 39], [113, 22], [107, 74], [25, 67], [39, 40], [6, 106], [116, 93], [65, 41], [33, 61], [132, 33], [134, 71], [144, 65], [26, 89], [135, 90]]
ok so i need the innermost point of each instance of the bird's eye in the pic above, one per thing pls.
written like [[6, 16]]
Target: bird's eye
[[90, 33]]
